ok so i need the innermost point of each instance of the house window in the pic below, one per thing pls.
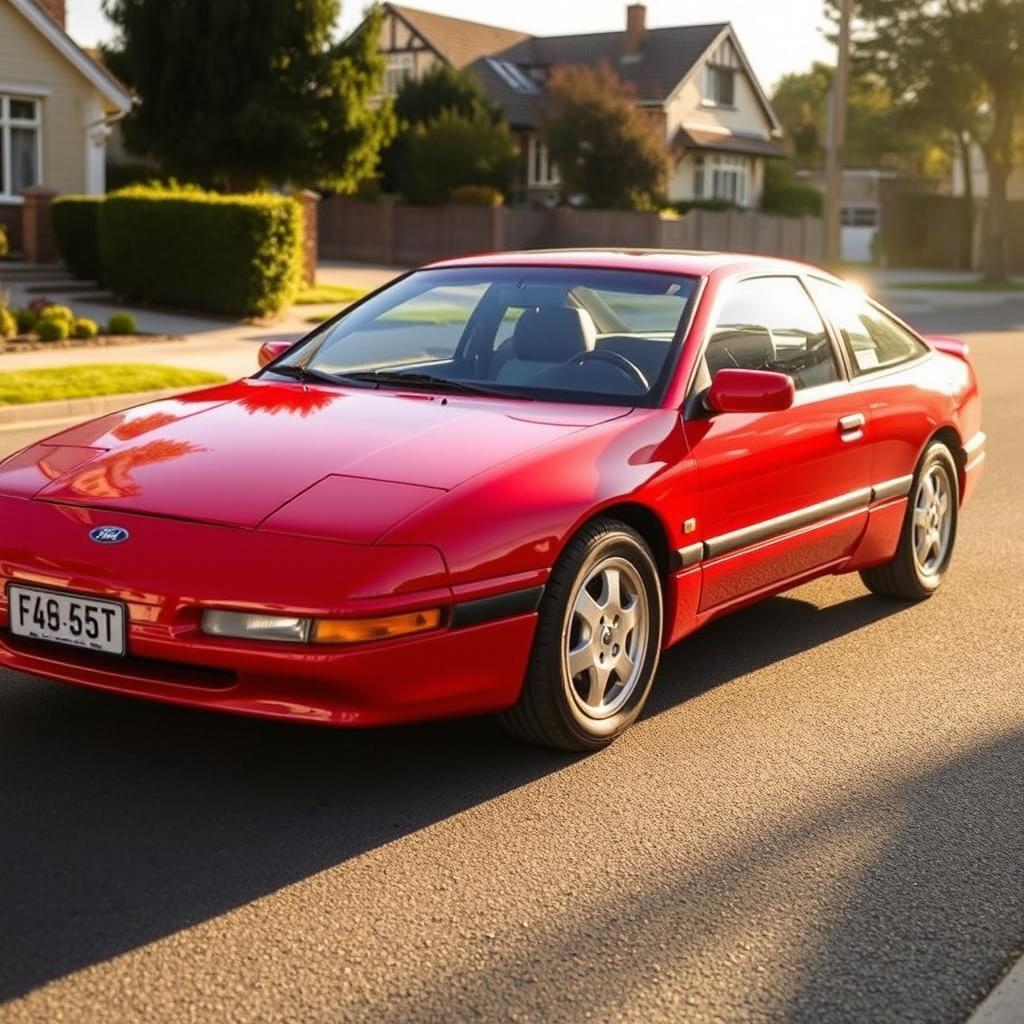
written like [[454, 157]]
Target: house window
[[719, 86], [513, 76], [719, 176], [400, 67], [540, 171], [20, 145]]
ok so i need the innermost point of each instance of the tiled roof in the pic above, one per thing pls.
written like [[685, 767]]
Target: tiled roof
[[459, 42], [667, 57], [749, 145]]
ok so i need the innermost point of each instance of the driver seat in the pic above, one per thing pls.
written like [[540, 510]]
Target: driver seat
[[546, 337]]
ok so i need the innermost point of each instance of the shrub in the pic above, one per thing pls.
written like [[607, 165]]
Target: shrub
[[121, 323], [457, 149], [26, 320], [52, 330], [193, 250], [84, 328], [4, 244], [62, 313], [476, 195], [786, 196], [76, 225], [38, 304], [8, 324], [684, 206]]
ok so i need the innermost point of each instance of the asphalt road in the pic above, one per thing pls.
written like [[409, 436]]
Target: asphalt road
[[819, 819]]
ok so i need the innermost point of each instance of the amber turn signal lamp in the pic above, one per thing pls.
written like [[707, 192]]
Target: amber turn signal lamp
[[354, 631]]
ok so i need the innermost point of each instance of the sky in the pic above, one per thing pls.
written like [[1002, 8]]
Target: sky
[[777, 36]]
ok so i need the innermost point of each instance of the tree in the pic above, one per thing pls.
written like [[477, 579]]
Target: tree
[[421, 101], [243, 93], [605, 147], [963, 61], [878, 133], [457, 149]]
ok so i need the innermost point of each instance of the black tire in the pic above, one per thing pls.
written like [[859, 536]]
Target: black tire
[[904, 577], [547, 714]]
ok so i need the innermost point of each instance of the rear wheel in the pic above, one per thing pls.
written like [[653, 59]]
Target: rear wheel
[[929, 532], [597, 644]]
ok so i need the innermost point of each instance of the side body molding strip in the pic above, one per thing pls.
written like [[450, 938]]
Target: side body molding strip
[[725, 543]]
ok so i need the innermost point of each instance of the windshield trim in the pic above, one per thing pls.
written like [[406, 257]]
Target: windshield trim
[[306, 348]]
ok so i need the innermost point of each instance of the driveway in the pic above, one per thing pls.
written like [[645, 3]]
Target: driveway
[[820, 818]]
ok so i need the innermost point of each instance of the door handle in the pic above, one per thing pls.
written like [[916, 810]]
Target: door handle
[[852, 423]]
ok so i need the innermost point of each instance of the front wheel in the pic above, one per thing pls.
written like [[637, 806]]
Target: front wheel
[[597, 644], [928, 535]]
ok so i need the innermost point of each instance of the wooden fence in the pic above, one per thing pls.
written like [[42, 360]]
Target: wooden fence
[[398, 234]]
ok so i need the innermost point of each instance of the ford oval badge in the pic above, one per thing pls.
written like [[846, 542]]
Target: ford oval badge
[[108, 535]]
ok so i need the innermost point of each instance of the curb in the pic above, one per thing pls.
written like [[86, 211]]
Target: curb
[[17, 417], [1005, 1003]]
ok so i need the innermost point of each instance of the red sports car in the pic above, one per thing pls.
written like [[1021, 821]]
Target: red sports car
[[499, 484]]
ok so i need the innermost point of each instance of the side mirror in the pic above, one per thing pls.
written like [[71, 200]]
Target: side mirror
[[271, 350], [750, 391]]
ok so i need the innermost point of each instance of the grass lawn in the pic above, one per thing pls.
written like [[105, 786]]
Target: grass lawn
[[320, 294], [19, 387], [977, 285]]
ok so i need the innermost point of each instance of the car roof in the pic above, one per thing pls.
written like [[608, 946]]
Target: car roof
[[694, 263]]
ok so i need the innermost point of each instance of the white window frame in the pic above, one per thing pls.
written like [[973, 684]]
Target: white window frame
[[541, 171], [710, 97], [401, 67], [722, 176], [7, 122]]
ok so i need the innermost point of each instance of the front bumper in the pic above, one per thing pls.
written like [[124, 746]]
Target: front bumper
[[170, 571]]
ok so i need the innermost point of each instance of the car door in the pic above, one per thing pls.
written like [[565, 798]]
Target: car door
[[783, 493], [887, 378]]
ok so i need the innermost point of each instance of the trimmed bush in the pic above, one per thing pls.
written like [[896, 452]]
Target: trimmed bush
[[8, 324], [4, 244], [239, 255], [121, 323], [476, 195], [76, 225], [784, 195], [52, 330], [26, 320], [84, 328], [62, 313]]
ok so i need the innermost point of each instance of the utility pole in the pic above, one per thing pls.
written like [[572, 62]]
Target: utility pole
[[837, 136]]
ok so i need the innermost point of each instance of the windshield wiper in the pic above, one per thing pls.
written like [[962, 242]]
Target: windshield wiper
[[428, 379], [296, 371]]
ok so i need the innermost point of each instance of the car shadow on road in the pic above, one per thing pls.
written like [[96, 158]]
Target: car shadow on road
[[125, 821]]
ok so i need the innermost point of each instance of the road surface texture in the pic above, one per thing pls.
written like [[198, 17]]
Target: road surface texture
[[819, 819]]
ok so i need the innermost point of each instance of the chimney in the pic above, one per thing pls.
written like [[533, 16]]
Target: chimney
[[56, 9], [636, 31]]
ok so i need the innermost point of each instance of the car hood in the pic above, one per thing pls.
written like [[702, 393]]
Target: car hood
[[239, 453]]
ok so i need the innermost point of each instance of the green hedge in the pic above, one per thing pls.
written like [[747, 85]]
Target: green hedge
[[190, 249], [787, 196], [76, 224]]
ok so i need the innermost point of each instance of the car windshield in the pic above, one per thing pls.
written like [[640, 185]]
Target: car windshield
[[555, 333]]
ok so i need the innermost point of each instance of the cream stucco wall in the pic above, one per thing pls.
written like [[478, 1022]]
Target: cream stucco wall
[[70, 103], [686, 107]]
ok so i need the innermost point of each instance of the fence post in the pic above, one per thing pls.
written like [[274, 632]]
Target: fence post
[[308, 202], [38, 241], [499, 220], [387, 231]]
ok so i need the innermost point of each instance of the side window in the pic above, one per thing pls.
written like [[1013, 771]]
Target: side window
[[874, 339], [770, 323]]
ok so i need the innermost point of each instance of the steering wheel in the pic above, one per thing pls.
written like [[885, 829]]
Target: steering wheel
[[619, 361]]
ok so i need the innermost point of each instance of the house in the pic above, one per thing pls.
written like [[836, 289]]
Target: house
[[57, 104], [861, 195], [718, 122]]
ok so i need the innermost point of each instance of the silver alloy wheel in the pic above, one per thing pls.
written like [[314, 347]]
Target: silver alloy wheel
[[605, 638], [933, 520]]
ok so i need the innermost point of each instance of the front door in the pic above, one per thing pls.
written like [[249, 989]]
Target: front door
[[782, 493]]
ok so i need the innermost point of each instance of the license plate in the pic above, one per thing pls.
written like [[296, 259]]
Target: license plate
[[67, 619]]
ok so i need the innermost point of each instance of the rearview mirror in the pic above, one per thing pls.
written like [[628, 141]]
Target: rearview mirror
[[750, 391], [271, 350]]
